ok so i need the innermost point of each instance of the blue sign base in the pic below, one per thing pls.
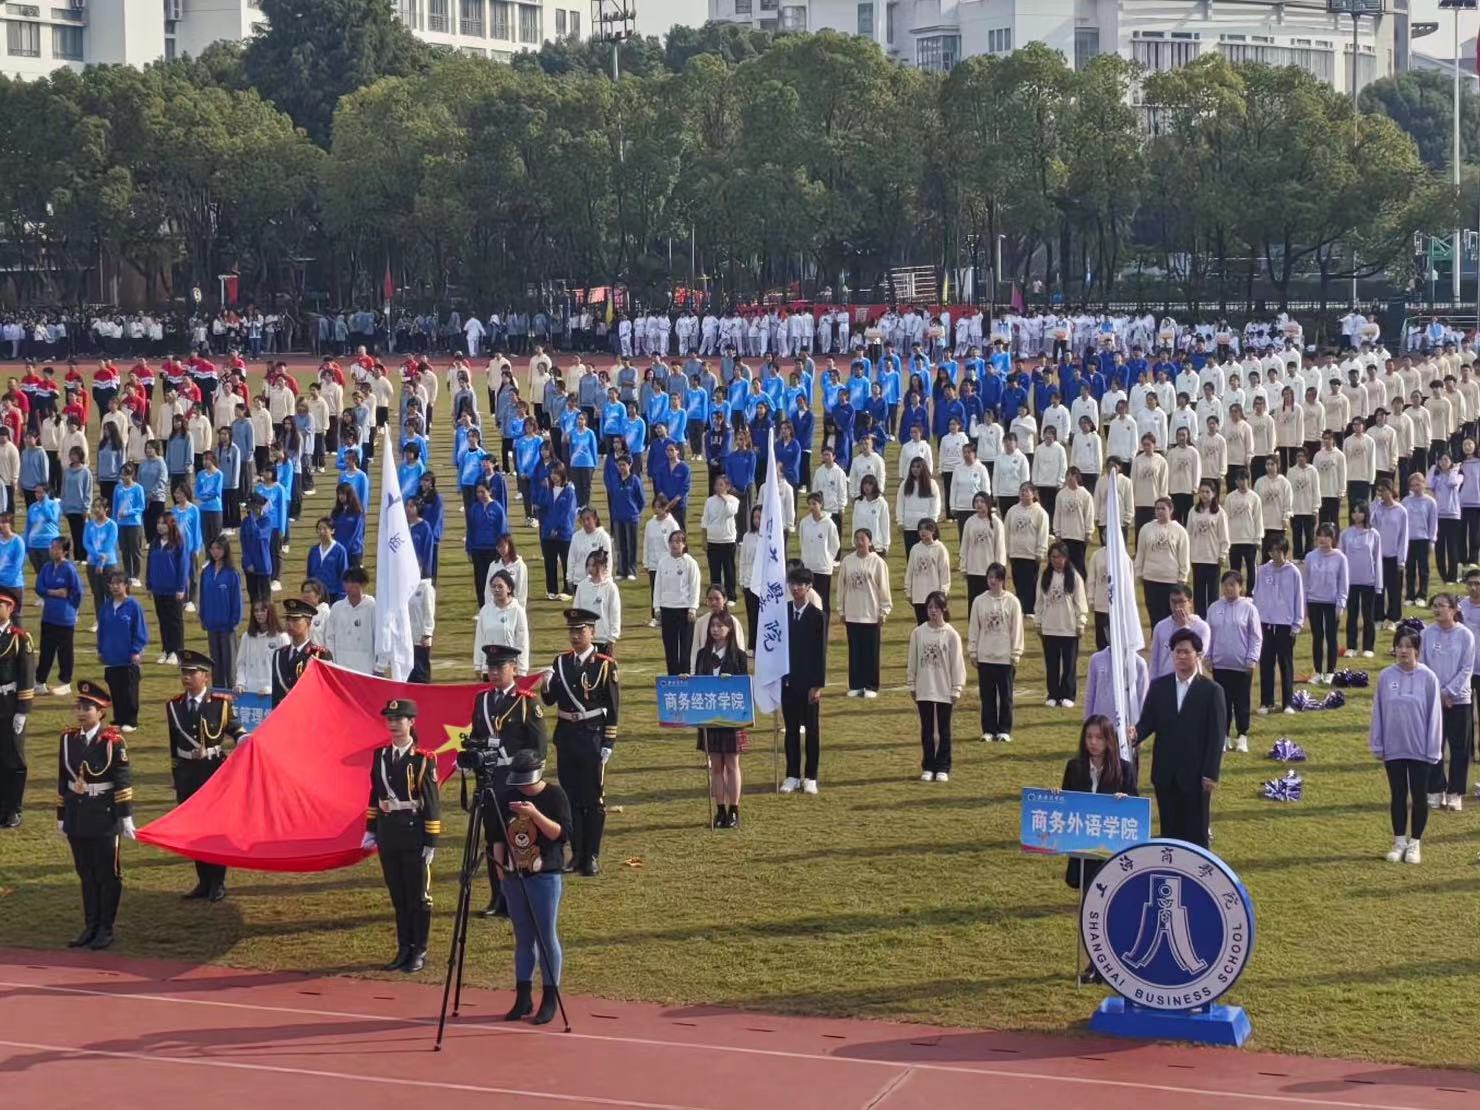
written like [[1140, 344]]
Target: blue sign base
[[1224, 1025]]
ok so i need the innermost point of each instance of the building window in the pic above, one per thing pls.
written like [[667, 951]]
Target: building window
[[866, 20], [406, 9], [938, 53], [889, 24], [742, 7], [501, 17], [23, 40], [1086, 45], [471, 23], [999, 41], [769, 5], [169, 49], [575, 24], [66, 15], [1318, 63], [793, 18], [66, 43], [1161, 57], [529, 24], [438, 18], [559, 22]]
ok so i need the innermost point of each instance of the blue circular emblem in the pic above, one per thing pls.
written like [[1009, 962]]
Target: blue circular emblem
[[1168, 924]]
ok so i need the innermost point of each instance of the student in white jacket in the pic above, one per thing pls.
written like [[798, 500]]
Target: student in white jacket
[[916, 447], [866, 461], [589, 537], [655, 535], [676, 600], [720, 534], [871, 511], [502, 621], [971, 479], [831, 481], [820, 546], [1050, 464], [510, 562], [350, 637], [254, 654], [598, 594], [1087, 452], [917, 500], [1009, 474]]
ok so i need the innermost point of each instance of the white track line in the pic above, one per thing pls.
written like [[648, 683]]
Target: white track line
[[521, 1030]]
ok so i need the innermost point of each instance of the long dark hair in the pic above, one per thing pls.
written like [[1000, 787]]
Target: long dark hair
[[1110, 777], [346, 500], [925, 487], [1071, 576], [733, 659]]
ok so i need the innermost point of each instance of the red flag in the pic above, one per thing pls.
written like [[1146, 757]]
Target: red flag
[[292, 797], [1017, 298], [388, 286]]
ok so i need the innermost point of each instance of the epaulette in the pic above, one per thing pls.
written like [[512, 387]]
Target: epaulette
[[180, 697], [111, 733], [217, 695]]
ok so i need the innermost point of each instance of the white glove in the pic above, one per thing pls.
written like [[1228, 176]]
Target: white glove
[[128, 828], [427, 855], [19, 725], [367, 841], [606, 753], [61, 829]]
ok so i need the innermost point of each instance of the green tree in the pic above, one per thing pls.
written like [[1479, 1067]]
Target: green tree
[[729, 42], [1421, 102]]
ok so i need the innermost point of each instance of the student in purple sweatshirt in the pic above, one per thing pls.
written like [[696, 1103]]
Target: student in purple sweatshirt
[[1406, 734], [1235, 645], [1390, 522], [1469, 503], [1327, 581], [1362, 546], [1279, 595], [1448, 650], [1180, 601], [1447, 483], [1423, 526]]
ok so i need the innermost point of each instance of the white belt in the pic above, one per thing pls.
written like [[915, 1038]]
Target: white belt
[[96, 788], [398, 806], [580, 715], [201, 753], [8, 688]]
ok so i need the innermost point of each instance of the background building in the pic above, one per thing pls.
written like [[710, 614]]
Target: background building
[[42, 37]]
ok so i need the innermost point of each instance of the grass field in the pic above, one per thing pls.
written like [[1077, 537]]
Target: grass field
[[882, 896]]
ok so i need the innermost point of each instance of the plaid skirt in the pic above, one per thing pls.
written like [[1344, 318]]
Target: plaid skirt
[[723, 741]]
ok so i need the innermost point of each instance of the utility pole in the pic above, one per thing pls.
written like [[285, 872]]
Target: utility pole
[[1457, 256], [1357, 9], [614, 21]]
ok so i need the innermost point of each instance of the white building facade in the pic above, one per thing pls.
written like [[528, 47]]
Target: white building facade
[[46, 36], [1160, 34]]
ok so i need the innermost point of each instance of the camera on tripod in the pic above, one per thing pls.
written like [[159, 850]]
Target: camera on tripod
[[482, 756]]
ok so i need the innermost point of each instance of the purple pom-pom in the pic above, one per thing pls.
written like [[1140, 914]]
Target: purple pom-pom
[[1286, 750], [1289, 787]]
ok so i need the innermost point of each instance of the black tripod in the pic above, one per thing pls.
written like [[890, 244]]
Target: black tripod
[[472, 860]]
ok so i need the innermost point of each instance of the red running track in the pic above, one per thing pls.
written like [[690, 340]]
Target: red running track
[[84, 1031]]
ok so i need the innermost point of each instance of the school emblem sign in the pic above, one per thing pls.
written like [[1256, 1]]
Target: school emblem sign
[[1170, 928]]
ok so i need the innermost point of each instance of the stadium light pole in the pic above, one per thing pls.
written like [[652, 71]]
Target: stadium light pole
[[1457, 258], [1356, 9]]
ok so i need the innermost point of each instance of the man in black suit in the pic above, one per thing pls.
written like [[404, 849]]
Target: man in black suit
[[801, 690], [1189, 715]]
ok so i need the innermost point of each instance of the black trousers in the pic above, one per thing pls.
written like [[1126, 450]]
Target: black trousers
[[1446, 551], [1236, 689], [556, 553], [752, 615], [1459, 733], [1409, 778], [1361, 602], [421, 666], [1470, 536], [800, 712], [1025, 583], [1391, 608], [1184, 814], [1182, 507], [1244, 558], [863, 655], [582, 777], [170, 613], [409, 882], [1060, 663], [123, 688], [1158, 600], [259, 587], [678, 638], [822, 583], [56, 647], [1278, 650], [189, 776], [722, 568], [994, 687], [1102, 630], [482, 558], [1077, 549], [96, 861], [1205, 586], [1418, 569], [12, 764], [935, 735], [625, 537], [1303, 528], [1322, 634], [1330, 510]]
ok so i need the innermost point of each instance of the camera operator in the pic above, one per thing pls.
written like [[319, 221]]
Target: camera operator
[[505, 722]]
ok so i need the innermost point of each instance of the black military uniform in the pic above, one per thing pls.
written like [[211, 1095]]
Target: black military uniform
[[584, 691], [516, 722], [95, 797], [405, 819], [17, 688], [199, 731], [290, 661]]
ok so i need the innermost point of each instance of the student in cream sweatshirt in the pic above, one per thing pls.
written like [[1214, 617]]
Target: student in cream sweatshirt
[[995, 641], [935, 672], [1061, 611], [927, 569], [864, 602]]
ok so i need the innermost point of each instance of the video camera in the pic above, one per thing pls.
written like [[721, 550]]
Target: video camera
[[482, 756]]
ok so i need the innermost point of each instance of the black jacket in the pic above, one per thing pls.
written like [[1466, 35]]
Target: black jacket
[[1076, 777], [807, 646], [1190, 741]]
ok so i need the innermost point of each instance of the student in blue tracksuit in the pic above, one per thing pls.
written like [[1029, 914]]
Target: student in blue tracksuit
[[209, 489], [348, 520], [100, 550], [43, 524], [257, 548], [220, 606], [788, 454], [469, 464], [430, 505], [581, 459], [354, 477], [328, 560], [625, 501], [718, 441], [489, 475], [59, 587], [276, 495], [409, 473], [168, 579], [77, 494], [486, 523], [187, 518], [556, 505], [155, 479], [122, 638], [803, 427], [671, 479], [526, 457], [635, 432], [739, 468]]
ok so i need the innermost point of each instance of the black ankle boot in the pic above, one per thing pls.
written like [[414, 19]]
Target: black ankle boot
[[546, 1012], [734, 821], [721, 818], [523, 1002]]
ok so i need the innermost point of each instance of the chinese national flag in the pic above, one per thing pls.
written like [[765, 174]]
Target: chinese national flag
[[388, 286]]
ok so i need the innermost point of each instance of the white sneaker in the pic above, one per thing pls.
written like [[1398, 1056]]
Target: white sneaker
[[1242, 744], [134, 584], [1317, 679], [277, 587], [1067, 703], [563, 597], [286, 549], [1420, 603], [987, 738], [61, 691], [1051, 703], [171, 660], [870, 693], [1395, 853], [94, 627], [1456, 802], [1413, 853], [39, 688], [632, 578], [1436, 801], [855, 693], [809, 786], [1004, 737], [1290, 709], [127, 728], [651, 624], [1227, 744], [1264, 711], [942, 776], [927, 776], [549, 597], [190, 607], [789, 785], [165, 658], [1366, 655]]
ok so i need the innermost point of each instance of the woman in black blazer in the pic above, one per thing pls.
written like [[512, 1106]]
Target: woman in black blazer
[[1097, 769]]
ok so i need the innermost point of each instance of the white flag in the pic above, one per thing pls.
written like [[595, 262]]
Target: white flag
[[1126, 638], [397, 573], [768, 582]]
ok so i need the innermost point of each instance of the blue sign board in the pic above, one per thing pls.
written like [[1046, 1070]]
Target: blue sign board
[[705, 701], [1069, 823], [251, 709]]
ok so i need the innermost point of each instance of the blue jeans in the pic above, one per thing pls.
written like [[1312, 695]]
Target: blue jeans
[[541, 893]]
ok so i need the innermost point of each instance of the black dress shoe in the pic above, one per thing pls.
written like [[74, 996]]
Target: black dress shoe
[[102, 940], [496, 908], [84, 938], [1090, 976], [414, 962], [200, 891], [11, 822], [402, 955], [591, 867], [523, 1002], [734, 821], [217, 894]]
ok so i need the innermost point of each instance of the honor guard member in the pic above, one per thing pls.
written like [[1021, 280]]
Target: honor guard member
[[290, 660], [513, 721], [17, 683], [404, 820], [200, 723], [582, 684], [95, 796]]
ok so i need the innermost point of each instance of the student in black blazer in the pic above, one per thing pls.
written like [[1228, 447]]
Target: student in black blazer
[[1190, 737], [801, 690], [1097, 769]]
